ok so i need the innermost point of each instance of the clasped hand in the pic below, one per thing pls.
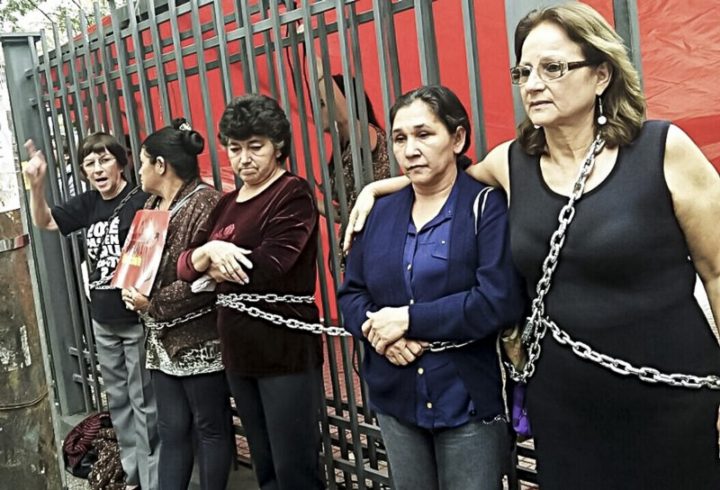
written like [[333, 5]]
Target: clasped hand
[[385, 330], [134, 300], [228, 262]]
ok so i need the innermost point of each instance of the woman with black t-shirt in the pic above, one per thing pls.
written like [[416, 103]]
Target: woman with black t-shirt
[[106, 212]]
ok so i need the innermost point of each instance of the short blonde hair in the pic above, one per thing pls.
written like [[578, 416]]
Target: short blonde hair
[[623, 100]]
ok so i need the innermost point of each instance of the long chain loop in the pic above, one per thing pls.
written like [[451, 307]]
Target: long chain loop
[[239, 302], [538, 323], [153, 324]]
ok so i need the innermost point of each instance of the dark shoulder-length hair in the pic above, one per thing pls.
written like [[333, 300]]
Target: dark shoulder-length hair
[[256, 115], [623, 100], [339, 80], [443, 103], [179, 145]]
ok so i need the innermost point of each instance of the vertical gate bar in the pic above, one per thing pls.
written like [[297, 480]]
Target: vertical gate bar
[[346, 51], [139, 56], [110, 86], [159, 65], [202, 74], [626, 21], [313, 92], [296, 75], [54, 191], [224, 56], [249, 38], [353, 412], [272, 76], [473, 68], [105, 123], [334, 136], [296, 80], [179, 63], [93, 118], [381, 16], [334, 359], [74, 79], [389, 28], [64, 109], [367, 175], [327, 199], [79, 54], [277, 53], [79, 127], [429, 67], [237, 15], [126, 87]]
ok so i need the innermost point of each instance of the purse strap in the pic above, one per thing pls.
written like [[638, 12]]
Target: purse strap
[[538, 323], [100, 283]]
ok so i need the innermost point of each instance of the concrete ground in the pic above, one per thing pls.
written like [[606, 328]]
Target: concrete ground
[[240, 479]]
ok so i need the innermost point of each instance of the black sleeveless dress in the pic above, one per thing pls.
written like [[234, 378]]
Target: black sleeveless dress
[[624, 285]]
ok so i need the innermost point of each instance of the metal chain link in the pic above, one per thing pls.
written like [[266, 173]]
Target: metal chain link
[[236, 302], [534, 329], [443, 345], [269, 298], [538, 323], [153, 324], [647, 374]]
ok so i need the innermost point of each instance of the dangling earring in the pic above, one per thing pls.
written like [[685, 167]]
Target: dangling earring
[[601, 119]]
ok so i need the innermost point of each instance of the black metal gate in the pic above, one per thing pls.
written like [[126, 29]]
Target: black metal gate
[[131, 72]]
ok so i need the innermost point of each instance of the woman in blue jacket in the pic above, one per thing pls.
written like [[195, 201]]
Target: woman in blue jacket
[[428, 287]]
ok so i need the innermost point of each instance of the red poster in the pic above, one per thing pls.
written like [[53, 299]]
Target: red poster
[[142, 252]]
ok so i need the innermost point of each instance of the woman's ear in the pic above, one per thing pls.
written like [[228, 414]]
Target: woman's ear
[[459, 140], [160, 165], [604, 73]]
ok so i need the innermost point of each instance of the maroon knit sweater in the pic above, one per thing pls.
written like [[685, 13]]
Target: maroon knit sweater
[[280, 227]]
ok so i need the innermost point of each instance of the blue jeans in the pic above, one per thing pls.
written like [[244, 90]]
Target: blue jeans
[[194, 405], [470, 457], [280, 415]]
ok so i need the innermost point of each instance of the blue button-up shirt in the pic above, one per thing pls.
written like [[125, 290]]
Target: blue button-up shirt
[[442, 399]]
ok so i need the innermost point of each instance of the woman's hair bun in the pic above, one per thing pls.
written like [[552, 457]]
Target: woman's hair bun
[[190, 139]]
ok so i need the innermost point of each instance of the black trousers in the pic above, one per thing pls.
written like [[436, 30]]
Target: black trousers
[[280, 417], [194, 406]]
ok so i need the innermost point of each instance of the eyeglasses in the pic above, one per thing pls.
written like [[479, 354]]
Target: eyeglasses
[[104, 162], [547, 71]]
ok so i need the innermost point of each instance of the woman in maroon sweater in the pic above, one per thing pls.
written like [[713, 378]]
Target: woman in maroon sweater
[[261, 243]]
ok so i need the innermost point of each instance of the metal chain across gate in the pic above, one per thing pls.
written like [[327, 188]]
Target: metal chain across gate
[[237, 302]]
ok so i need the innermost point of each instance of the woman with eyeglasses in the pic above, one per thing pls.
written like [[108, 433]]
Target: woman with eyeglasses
[[625, 389], [105, 212]]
